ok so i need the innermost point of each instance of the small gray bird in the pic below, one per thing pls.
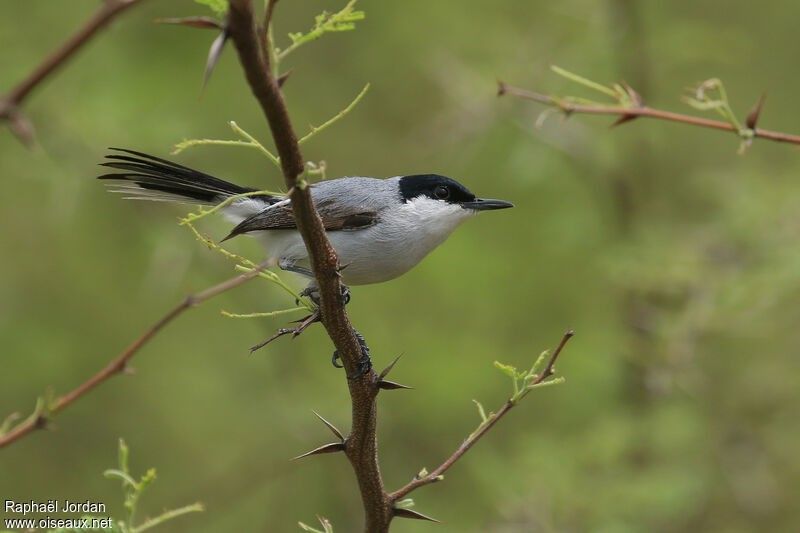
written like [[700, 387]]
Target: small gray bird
[[380, 228]]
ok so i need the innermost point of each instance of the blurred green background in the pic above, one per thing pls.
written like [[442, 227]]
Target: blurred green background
[[675, 260]]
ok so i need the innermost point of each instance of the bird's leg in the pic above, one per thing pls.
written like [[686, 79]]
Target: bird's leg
[[364, 362], [312, 292], [290, 266]]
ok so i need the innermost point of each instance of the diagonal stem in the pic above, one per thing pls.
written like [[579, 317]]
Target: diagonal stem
[[483, 429], [119, 363], [99, 20], [642, 111]]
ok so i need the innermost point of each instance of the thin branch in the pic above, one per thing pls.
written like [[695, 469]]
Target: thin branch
[[549, 368], [486, 425], [361, 448], [10, 103], [568, 108], [39, 419], [338, 116]]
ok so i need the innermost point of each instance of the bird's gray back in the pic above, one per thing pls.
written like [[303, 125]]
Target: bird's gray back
[[356, 194]]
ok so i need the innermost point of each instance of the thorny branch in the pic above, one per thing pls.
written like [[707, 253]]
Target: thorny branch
[[46, 409], [253, 44], [637, 108], [361, 445], [438, 473], [10, 103]]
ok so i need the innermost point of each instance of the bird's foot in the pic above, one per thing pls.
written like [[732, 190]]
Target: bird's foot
[[301, 326], [312, 293], [364, 364]]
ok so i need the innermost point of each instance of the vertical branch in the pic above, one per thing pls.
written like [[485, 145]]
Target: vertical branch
[[361, 445]]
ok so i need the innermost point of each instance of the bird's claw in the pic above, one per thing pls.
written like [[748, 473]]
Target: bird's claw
[[312, 293], [345, 294], [364, 363]]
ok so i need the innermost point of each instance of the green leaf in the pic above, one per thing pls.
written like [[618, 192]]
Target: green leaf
[[508, 370], [481, 410], [219, 7], [599, 87], [406, 503], [123, 456], [168, 515], [113, 473], [147, 478], [538, 363], [8, 423], [342, 20], [326, 526]]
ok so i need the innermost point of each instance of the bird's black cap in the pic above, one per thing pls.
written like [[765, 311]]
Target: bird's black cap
[[434, 186]]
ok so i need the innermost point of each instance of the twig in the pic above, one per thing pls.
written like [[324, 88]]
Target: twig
[[643, 111], [490, 421], [168, 515], [361, 447], [338, 116], [39, 419], [10, 103]]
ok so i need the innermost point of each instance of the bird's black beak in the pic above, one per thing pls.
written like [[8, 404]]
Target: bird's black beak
[[486, 204]]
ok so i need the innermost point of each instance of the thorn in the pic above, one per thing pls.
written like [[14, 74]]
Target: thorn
[[192, 22], [623, 119], [385, 384], [283, 77], [408, 513], [753, 115], [636, 102], [388, 369], [42, 422], [325, 448], [214, 54], [21, 127], [502, 88], [636, 98], [333, 428]]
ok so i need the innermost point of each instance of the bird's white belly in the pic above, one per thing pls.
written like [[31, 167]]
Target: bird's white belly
[[365, 260], [379, 253]]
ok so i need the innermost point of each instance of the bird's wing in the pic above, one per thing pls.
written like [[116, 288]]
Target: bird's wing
[[335, 215]]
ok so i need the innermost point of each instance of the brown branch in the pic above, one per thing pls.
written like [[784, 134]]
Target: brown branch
[[642, 111], [482, 430], [361, 444], [10, 103], [39, 419]]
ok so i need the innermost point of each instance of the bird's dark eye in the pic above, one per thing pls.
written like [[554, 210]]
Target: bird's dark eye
[[441, 192]]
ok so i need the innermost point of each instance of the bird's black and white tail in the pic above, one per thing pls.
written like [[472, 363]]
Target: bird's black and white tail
[[146, 177]]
